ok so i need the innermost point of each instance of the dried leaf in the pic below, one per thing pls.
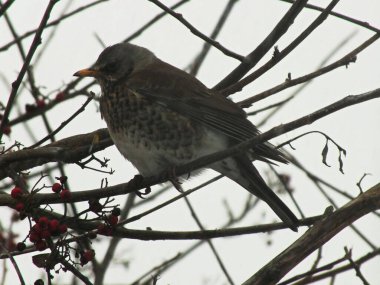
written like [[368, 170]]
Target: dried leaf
[[39, 260], [324, 153], [340, 160]]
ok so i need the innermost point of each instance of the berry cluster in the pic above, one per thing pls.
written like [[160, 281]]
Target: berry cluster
[[87, 256], [40, 103], [110, 223], [59, 188], [17, 194], [44, 229]]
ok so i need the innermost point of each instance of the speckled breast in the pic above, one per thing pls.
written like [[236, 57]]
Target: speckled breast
[[151, 136]]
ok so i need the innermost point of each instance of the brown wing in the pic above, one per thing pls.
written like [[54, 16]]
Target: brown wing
[[183, 93], [186, 95]]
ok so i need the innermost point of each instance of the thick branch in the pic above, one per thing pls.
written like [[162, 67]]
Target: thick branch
[[315, 237], [67, 150]]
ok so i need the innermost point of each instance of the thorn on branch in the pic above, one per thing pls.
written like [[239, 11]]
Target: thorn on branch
[[351, 60], [276, 52]]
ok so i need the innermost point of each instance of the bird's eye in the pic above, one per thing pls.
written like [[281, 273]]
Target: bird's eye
[[110, 67]]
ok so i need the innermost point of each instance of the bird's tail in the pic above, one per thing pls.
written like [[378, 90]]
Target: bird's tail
[[245, 174]]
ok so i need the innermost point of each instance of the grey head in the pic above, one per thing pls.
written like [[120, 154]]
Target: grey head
[[117, 62]]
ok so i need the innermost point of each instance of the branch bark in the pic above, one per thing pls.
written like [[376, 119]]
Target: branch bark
[[315, 237]]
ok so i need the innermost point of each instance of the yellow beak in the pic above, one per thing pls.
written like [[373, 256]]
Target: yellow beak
[[87, 72]]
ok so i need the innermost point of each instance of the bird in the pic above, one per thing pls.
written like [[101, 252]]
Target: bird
[[160, 117]]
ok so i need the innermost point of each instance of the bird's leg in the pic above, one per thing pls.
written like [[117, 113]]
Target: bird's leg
[[172, 177], [136, 181]]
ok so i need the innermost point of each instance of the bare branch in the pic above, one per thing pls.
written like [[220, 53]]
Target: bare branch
[[315, 237], [279, 55], [32, 49], [255, 56], [196, 32]]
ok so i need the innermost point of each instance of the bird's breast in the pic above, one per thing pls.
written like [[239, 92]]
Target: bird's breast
[[151, 136]]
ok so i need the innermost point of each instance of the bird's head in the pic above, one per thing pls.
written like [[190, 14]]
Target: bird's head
[[118, 62]]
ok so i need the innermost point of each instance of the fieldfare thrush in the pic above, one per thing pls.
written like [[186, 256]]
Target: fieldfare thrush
[[160, 117]]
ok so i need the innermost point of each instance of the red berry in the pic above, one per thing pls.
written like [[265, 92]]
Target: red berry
[[41, 245], [89, 255], [34, 237], [56, 187], [20, 207], [16, 193], [112, 219], [40, 103], [45, 234], [43, 222], [65, 194], [36, 229], [83, 260], [60, 96], [54, 225], [63, 228], [62, 179], [103, 229]]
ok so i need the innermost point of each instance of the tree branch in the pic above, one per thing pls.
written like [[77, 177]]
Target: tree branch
[[321, 232]]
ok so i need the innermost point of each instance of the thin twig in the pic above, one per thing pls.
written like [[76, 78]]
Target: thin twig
[[344, 61], [257, 54], [168, 202], [280, 54], [303, 86], [209, 242], [63, 124], [153, 21], [363, 24], [14, 263], [355, 266], [196, 32], [33, 47], [340, 269], [197, 62], [51, 24]]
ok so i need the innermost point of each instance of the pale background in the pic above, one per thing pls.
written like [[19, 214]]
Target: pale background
[[355, 128]]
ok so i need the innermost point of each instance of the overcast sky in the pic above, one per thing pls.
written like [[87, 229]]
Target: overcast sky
[[356, 128]]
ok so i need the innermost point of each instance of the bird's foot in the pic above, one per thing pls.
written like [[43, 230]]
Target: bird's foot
[[142, 193], [172, 177], [136, 182]]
